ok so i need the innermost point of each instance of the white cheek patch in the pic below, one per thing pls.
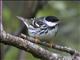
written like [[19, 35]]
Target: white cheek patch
[[50, 23]]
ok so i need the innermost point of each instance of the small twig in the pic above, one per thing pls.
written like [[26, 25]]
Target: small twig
[[54, 46]]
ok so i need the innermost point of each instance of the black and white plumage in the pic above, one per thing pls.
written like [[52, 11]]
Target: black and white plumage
[[43, 27]]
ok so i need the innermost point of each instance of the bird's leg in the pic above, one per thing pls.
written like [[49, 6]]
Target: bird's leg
[[37, 40], [50, 44]]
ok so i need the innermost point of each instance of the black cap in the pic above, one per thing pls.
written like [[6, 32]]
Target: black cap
[[52, 19]]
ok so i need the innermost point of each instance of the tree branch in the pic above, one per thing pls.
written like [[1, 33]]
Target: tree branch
[[28, 46]]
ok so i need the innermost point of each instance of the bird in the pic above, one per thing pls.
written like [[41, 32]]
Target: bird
[[45, 28]]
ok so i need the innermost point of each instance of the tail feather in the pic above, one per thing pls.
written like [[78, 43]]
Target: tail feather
[[25, 21]]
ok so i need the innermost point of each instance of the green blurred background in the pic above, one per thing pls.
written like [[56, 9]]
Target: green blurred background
[[69, 30]]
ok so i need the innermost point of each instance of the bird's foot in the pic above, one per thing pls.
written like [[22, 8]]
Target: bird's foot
[[37, 40], [50, 44]]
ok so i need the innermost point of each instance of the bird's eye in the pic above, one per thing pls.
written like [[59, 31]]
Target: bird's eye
[[51, 18]]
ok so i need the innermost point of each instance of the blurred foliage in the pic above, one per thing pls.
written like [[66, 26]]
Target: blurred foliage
[[11, 54], [69, 30], [30, 57], [11, 25]]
